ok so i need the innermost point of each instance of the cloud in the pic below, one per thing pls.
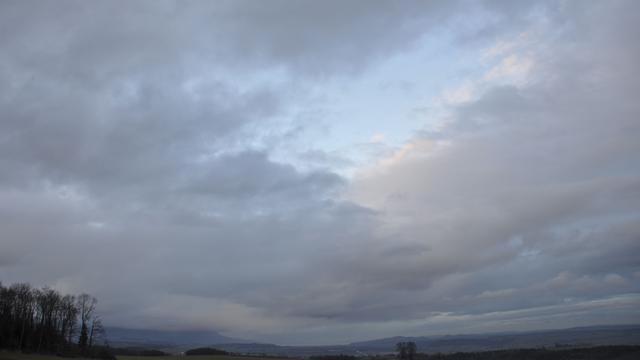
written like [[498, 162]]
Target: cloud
[[525, 170], [138, 147]]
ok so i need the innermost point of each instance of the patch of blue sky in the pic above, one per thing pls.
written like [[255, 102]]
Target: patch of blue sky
[[384, 107]]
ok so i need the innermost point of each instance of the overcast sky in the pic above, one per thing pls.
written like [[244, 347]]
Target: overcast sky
[[314, 172]]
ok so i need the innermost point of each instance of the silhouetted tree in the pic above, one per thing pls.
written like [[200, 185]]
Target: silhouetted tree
[[402, 350], [411, 349], [406, 350], [96, 330], [205, 351], [84, 337], [86, 305]]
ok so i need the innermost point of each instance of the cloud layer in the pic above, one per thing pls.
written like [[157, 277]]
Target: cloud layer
[[158, 155]]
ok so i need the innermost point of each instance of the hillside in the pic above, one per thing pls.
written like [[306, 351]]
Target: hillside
[[585, 336]]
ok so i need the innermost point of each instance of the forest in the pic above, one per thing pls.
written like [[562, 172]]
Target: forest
[[46, 321]]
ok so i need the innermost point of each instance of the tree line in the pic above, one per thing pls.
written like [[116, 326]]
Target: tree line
[[43, 320], [206, 351], [333, 357]]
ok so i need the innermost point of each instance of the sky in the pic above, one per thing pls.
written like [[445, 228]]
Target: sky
[[321, 172]]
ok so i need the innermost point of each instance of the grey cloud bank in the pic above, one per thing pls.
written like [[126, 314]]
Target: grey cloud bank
[[138, 145]]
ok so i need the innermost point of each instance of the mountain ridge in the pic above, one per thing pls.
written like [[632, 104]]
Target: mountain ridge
[[569, 337]]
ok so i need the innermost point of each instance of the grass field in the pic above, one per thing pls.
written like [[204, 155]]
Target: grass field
[[195, 357], [6, 355], [9, 355]]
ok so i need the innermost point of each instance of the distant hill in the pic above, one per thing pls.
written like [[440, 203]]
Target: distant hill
[[582, 336], [160, 339], [564, 338], [177, 341], [280, 350]]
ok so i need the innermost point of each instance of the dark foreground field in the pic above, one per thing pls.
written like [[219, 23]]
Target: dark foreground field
[[196, 357], [5, 355], [593, 353]]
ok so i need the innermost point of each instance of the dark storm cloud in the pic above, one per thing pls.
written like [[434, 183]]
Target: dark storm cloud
[[134, 166]]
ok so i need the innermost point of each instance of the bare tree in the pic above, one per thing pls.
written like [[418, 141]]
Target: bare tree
[[411, 350], [406, 350], [24, 309], [69, 317], [86, 305], [402, 350], [96, 331]]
